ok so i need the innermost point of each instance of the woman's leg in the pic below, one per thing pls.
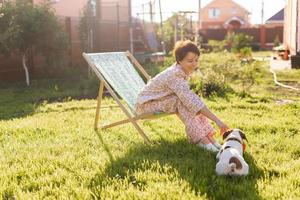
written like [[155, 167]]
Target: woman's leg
[[197, 127], [213, 141], [199, 130], [167, 104], [211, 138]]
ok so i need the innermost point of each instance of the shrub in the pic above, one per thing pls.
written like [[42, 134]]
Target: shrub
[[276, 41], [245, 53], [216, 45], [255, 46], [247, 75], [215, 77], [209, 84], [240, 41], [153, 69], [228, 67]]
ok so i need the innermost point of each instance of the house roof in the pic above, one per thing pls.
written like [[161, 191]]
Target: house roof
[[279, 16], [236, 4]]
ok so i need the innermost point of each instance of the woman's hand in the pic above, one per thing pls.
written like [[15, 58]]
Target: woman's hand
[[206, 112], [223, 127]]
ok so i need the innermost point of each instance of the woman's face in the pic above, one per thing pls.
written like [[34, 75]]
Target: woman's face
[[189, 62]]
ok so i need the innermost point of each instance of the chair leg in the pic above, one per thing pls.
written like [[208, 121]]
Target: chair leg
[[136, 118], [99, 98], [124, 121], [141, 132]]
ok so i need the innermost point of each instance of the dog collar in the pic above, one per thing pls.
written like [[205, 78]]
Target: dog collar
[[235, 139], [244, 147]]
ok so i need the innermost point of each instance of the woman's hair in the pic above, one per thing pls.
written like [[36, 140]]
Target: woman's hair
[[182, 48]]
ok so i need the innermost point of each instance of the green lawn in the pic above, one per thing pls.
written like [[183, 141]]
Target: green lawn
[[49, 149]]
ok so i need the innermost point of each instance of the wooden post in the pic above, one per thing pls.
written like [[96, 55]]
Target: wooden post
[[69, 31], [262, 33], [99, 98], [118, 28]]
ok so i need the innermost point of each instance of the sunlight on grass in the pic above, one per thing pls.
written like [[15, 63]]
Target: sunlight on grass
[[50, 150]]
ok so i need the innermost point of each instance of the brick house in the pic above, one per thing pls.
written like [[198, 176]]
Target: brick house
[[224, 14]]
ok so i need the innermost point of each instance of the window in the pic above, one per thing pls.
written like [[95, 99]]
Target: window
[[93, 10], [214, 26], [53, 1], [234, 10], [214, 13]]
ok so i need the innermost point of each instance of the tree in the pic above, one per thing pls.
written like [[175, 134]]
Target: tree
[[26, 27], [169, 28], [240, 41]]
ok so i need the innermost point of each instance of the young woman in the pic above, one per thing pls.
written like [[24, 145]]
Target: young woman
[[169, 92]]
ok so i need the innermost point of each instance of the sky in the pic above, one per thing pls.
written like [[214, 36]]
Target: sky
[[168, 7]]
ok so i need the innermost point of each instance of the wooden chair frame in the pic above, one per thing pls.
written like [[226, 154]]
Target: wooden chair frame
[[132, 117]]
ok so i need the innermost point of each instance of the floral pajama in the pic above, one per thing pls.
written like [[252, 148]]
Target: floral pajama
[[196, 126], [169, 92]]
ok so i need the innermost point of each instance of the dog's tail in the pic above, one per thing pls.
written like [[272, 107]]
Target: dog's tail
[[234, 164], [230, 168]]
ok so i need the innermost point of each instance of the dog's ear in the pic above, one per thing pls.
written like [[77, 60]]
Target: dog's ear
[[226, 133], [243, 136]]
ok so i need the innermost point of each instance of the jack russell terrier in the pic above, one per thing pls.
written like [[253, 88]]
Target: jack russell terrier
[[230, 157]]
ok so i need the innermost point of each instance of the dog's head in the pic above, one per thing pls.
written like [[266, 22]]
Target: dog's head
[[235, 133]]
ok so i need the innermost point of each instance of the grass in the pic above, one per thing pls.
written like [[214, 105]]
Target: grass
[[49, 150]]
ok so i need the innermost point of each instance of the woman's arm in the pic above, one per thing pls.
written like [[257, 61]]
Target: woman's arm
[[192, 101], [207, 113], [179, 85]]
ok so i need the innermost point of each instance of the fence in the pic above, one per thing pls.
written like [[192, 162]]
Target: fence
[[11, 67], [263, 36], [109, 33]]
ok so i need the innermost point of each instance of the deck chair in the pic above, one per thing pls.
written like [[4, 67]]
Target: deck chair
[[117, 72]]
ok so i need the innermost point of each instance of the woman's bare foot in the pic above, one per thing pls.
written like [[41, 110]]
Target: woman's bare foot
[[205, 140], [206, 144], [213, 141], [209, 147]]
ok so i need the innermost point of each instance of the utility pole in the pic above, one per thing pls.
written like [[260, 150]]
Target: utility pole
[[191, 23], [199, 15], [198, 27], [262, 11], [98, 25], [118, 26], [162, 30], [143, 13], [130, 27], [181, 30], [184, 16], [151, 12], [176, 29]]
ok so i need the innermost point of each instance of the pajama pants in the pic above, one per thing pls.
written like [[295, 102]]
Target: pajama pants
[[196, 127]]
